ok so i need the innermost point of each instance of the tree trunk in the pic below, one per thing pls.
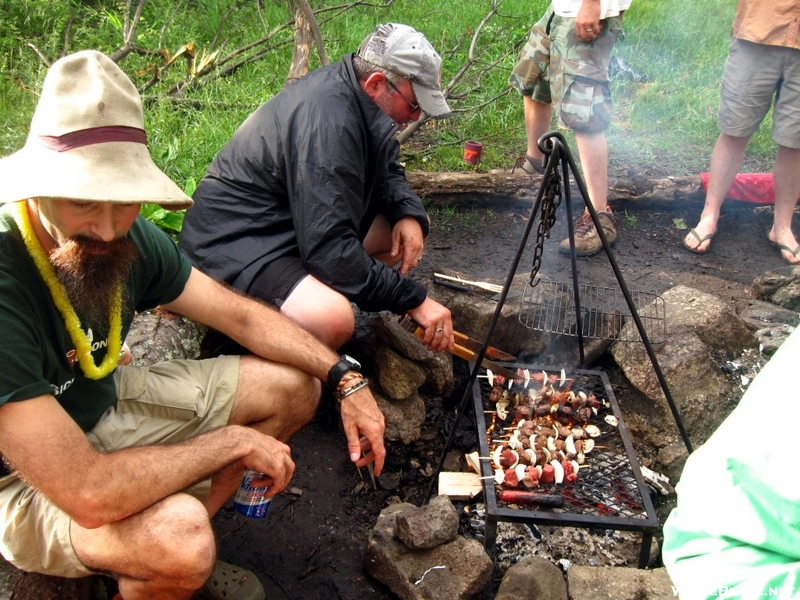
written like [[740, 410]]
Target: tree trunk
[[508, 188], [303, 38]]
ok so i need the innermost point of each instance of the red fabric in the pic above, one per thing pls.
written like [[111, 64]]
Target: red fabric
[[94, 135], [757, 188]]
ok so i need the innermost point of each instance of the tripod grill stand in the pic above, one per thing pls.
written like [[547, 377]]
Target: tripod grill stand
[[555, 183]]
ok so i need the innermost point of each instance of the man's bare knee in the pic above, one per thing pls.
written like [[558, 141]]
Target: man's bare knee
[[305, 400], [183, 541], [275, 399], [323, 312]]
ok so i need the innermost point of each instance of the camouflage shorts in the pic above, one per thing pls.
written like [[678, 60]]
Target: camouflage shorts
[[556, 66]]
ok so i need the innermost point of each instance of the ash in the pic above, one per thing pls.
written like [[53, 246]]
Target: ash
[[563, 546]]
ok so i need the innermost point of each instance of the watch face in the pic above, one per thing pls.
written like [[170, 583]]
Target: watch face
[[351, 361]]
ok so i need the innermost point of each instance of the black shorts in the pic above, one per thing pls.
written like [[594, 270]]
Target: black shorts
[[277, 280]]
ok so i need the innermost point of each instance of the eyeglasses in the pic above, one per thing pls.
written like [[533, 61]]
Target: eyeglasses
[[414, 106]]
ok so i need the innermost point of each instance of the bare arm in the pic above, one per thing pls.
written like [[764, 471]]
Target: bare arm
[[47, 447], [267, 333]]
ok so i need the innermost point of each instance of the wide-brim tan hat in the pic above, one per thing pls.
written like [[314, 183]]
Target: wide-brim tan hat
[[87, 141]]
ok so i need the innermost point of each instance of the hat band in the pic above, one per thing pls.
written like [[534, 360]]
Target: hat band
[[94, 135]]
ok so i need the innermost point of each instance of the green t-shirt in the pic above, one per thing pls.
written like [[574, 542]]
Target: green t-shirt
[[37, 354]]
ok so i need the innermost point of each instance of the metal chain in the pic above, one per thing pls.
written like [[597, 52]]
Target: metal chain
[[550, 202]]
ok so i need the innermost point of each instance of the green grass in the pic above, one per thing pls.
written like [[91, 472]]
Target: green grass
[[666, 125], [466, 220], [630, 220]]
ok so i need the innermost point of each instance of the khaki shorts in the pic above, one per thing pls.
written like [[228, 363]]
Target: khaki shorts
[[754, 73], [557, 67], [167, 402]]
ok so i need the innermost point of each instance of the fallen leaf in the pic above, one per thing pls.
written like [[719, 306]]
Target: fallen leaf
[[679, 224]]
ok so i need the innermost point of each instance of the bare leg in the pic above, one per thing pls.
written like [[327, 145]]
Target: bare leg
[[272, 398], [593, 151], [787, 188], [378, 242], [726, 160], [165, 552], [322, 311], [537, 121]]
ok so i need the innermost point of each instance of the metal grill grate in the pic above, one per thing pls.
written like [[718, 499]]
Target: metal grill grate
[[609, 493], [550, 306]]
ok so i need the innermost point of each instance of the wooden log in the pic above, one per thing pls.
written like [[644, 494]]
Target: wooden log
[[507, 188]]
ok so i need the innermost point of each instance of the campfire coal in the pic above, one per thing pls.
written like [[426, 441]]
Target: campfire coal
[[605, 491]]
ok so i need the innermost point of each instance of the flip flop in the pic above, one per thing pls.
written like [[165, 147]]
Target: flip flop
[[699, 242], [782, 247]]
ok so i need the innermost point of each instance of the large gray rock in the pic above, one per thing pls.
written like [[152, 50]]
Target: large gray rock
[[440, 379], [399, 377], [387, 329], [781, 287], [711, 319], [458, 570], [615, 583], [759, 314], [428, 526], [391, 341], [160, 335], [403, 418], [533, 578], [770, 324], [698, 325]]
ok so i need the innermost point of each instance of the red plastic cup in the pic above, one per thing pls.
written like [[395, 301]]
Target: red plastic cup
[[472, 152]]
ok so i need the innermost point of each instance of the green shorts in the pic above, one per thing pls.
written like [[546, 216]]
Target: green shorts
[[167, 402], [557, 67]]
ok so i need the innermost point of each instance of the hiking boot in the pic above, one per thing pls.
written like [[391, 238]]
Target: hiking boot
[[524, 165], [587, 242]]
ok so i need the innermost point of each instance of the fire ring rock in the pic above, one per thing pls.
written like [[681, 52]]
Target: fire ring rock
[[428, 526]]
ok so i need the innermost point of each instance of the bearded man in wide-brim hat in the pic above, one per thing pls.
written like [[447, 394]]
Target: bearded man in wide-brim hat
[[113, 469]]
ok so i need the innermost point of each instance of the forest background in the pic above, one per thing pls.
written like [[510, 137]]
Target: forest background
[[203, 66]]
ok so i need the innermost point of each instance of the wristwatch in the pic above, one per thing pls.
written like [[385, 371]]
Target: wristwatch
[[347, 363]]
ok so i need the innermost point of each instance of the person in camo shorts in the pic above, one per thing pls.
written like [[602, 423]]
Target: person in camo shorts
[[564, 64]]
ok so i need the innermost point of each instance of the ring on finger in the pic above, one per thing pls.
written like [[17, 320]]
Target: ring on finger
[[439, 330]]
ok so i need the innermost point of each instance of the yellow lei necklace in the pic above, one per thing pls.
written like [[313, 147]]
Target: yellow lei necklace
[[73, 324]]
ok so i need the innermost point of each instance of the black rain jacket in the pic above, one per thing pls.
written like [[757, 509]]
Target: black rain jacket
[[305, 175]]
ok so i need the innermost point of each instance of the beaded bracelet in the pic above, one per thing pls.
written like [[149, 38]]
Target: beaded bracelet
[[347, 378], [352, 389]]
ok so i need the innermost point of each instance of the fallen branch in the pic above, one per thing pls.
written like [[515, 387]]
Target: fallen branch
[[412, 127]]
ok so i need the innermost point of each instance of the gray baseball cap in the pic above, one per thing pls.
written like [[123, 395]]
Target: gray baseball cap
[[404, 50]]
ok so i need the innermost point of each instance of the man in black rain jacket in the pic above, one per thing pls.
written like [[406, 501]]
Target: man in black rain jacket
[[307, 207]]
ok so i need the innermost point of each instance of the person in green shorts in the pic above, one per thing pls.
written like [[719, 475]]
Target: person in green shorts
[[118, 469], [564, 65]]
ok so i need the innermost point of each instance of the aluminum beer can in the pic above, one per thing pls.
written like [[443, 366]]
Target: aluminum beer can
[[250, 500]]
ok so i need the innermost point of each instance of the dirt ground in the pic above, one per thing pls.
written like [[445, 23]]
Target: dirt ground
[[311, 543]]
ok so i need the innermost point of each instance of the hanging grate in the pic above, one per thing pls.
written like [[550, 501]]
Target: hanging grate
[[550, 306]]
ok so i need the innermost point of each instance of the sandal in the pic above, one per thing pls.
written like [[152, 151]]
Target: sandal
[[699, 242], [529, 166], [782, 247], [229, 582]]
